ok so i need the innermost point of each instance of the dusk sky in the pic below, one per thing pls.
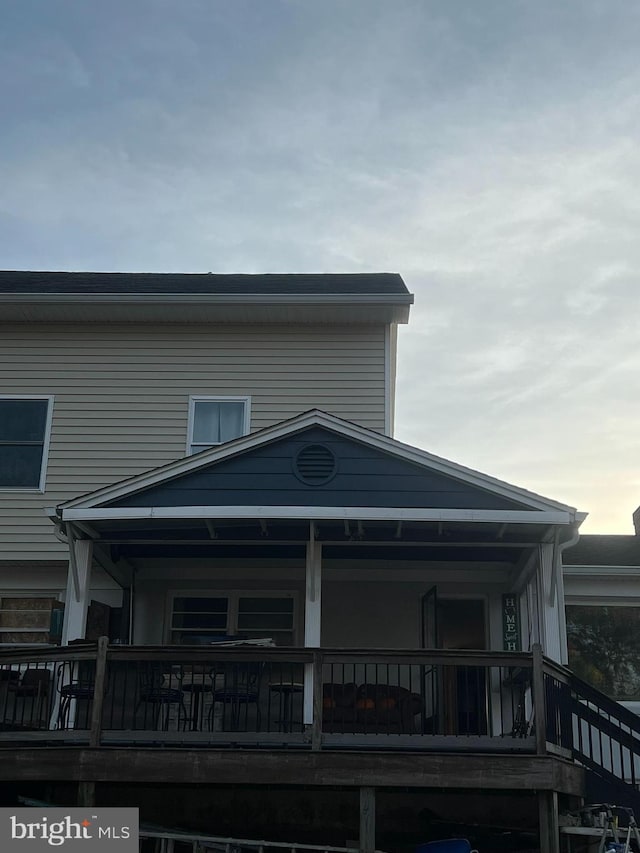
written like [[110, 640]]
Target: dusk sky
[[487, 150]]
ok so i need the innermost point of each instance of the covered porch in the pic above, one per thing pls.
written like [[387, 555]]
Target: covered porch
[[380, 590]]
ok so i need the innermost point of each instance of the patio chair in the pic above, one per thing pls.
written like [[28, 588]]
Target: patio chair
[[236, 686], [76, 686], [160, 696]]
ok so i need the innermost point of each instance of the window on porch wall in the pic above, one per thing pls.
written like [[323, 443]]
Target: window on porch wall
[[25, 621], [200, 619]]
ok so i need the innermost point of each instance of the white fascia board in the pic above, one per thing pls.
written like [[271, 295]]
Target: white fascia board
[[317, 513], [316, 417]]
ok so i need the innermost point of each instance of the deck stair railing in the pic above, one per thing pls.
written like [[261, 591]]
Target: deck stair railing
[[596, 731], [182, 842]]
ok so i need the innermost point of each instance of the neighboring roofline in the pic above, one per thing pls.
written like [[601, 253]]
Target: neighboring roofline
[[315, 417], [600, 571], [47, 297]]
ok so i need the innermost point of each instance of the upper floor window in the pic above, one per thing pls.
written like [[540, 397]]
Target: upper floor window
[[214, 420], [25, 427]]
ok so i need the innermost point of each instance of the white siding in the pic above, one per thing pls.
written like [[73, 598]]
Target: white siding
[[122, 391]]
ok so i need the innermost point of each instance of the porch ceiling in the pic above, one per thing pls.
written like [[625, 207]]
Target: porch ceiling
[[342, 540]]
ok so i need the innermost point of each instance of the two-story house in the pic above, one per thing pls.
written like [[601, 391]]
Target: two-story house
[[302, 611]]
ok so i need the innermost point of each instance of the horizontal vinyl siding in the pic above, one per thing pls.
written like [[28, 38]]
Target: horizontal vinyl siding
[[121, 397]]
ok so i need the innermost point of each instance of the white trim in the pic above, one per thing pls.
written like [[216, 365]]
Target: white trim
[[317, 418], [40, 488], [365, 513], [215, 398]]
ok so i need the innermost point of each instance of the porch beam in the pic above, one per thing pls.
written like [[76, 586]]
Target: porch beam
[[370, 543], [295, 767], [524, 569], [87, 529], [318, 513], [123, 579]]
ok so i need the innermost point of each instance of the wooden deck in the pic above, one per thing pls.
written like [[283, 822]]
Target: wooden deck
[[331, 732], [268, 767]]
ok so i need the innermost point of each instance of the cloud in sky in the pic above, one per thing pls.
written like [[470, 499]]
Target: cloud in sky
[[488, 152]]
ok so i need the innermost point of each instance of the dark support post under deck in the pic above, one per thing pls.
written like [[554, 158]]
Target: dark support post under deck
[[548, 822], [368, 820], [86, 794]]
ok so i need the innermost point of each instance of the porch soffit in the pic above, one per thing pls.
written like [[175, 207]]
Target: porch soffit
[[377, 478]]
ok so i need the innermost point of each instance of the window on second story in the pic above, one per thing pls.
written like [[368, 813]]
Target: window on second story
[[25, 425], [214, 420]]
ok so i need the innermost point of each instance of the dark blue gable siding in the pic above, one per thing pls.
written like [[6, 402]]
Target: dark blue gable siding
[[365, 477]]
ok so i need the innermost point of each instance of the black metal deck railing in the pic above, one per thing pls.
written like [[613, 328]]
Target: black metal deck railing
[[266, 696], [598, 732]]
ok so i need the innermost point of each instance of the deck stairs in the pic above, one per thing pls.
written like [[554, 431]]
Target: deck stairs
[[598, 733]]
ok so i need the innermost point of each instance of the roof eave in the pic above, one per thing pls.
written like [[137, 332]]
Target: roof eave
[[230, 308]]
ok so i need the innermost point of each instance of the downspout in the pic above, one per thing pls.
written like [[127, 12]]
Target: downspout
[[558, 548]]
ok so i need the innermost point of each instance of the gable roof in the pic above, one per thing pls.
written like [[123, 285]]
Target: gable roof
[[514, 503], [201, 297]]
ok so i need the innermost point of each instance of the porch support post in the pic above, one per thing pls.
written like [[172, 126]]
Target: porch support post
[[367, 843], [548, 822], [549, 603], [78, 583], [312, 615]]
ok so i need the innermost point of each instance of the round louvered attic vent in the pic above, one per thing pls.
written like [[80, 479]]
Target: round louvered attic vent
[[315, 464]]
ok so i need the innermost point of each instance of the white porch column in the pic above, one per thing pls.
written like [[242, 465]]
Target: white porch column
[[550, 602], [78, 583], [312, 615]]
